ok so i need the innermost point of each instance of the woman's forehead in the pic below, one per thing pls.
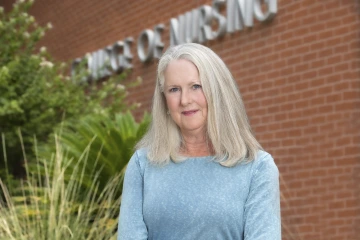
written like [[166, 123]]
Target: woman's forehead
[[181, 71]]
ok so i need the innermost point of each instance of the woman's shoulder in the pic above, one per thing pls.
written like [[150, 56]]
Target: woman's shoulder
[[264, 162], [141, 154], [140, 158], [262, 155]]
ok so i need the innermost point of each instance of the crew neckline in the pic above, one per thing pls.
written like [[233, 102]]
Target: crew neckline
[[199, 157]]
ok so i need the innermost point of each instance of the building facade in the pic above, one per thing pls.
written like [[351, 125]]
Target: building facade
[[298, 71]]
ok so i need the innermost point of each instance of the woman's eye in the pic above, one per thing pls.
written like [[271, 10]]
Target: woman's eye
[[196, 86], [173, 89]]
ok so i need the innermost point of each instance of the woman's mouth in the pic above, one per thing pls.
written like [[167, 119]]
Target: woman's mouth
[[189, 113]]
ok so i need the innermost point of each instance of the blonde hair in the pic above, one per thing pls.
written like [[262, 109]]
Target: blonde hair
[[228, 129]]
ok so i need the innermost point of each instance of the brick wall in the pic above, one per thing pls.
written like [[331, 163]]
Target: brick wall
[[299, 77]]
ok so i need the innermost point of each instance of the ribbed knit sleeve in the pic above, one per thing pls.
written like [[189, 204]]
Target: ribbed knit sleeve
[[131, 222], [262, 207]]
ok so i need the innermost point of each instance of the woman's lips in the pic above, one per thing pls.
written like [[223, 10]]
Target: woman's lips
[[189, 113]]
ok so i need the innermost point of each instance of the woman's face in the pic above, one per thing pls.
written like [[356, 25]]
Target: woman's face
[[184, 97]]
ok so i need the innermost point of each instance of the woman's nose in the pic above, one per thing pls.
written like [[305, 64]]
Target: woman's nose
[[185, 98]]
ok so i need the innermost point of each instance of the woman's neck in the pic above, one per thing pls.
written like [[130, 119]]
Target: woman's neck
[[196, 146]]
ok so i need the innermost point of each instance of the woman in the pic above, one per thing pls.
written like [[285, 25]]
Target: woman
[[199, 173]]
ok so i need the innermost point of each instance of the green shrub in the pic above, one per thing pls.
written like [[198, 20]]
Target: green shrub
[[108, 142], [48, 207], [35, 93]]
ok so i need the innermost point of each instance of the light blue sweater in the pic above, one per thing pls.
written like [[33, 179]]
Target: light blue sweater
[[199, 199]]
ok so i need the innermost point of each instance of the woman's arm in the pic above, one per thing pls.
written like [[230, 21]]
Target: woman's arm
[[131, 221], [262, 208]]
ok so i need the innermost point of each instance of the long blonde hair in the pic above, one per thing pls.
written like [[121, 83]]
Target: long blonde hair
[[228, 129]]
